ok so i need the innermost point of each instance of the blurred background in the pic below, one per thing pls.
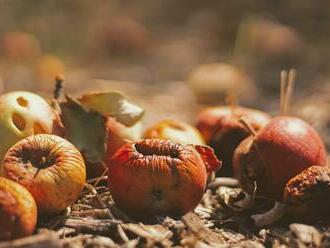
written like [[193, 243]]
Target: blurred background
[[172, 57]]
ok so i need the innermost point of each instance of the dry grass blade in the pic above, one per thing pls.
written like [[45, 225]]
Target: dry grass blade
[[284, 78]]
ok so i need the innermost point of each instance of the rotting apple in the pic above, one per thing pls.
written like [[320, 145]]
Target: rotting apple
[[107, 103], [159, 177], [46, 68], [23, 114], [307, 195], [50, 167], [282, 149], [177, 131], [118, 135], [18, 46], [212, 81], [223, 131], [18, 210]]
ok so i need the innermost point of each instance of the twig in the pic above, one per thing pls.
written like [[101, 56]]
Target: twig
[[58, 86], [270, 217], [284, 76], [289, 91], [224, 181], [44, 240], [120, 230]]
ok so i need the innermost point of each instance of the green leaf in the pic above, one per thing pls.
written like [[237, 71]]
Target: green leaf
[[86, 129], [113, 104]]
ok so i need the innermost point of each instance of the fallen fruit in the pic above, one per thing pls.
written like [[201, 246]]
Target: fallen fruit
[[50, 167], [307, 195], [18, 46], [23, 114], [157, 177], [18, 211], [175, 130], [212, 81], [282, 149], [223, 131], [122, 122]]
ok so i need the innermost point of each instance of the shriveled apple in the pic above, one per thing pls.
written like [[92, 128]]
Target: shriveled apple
[[23, 114], [159, 177], [122, 123], [50, 167], [18, 210]]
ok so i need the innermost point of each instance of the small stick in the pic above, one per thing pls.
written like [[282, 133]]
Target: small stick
[[92, 180], [270, 217], [120, 229], [58, 86], [247, 125], [224, 181], [231, 101], [284, 76], [289, 89]]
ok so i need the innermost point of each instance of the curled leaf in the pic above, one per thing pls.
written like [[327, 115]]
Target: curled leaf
[[113, 104], [209, 158], [85, 129]]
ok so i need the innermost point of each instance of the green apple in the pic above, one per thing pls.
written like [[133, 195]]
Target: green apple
[[23, 114]]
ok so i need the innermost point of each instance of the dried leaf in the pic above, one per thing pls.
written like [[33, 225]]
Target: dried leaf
[[85, 129], [113, 104], [197, 227]]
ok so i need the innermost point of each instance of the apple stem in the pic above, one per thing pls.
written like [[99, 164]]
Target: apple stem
[[248, 126], [287, 85], [231, 101], [270, 217], [37, 172], [59, 79]]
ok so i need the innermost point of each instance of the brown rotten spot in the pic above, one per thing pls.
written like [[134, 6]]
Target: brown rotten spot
[[157, 177], [307, 195]]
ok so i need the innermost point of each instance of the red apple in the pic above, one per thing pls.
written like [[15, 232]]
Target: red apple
[[18, 210], [157, 177], [50, 167], [177, 131], [223, 131], [281, 150]]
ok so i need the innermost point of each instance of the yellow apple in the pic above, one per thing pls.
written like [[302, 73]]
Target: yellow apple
[[176, 131], [23, 114]]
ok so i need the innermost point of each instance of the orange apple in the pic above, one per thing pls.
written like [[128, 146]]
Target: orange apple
[[50, 167], [23, 114], [18, 210], [159, 177], [177, 131]]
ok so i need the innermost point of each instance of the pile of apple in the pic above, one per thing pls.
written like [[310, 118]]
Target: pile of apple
[[48, 149]]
